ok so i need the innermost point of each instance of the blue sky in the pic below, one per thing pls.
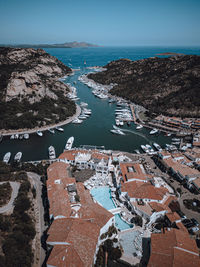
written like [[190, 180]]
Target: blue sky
[[104, 22]]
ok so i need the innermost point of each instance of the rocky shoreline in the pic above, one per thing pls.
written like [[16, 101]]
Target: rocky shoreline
[[31, 93], [45, 128], [168, 86]]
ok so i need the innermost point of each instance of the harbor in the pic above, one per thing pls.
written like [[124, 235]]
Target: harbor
[[91, 125]]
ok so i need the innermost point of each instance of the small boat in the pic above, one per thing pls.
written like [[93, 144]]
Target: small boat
[[18, 156], [82, 117], [137, 151], [21, 136], [121, 123], [157, 146], [16, 136], [69, 143], [12, 136], [59, 129], [150, 149], [117, 131], [144, 148], [77, 121], [52, 153], [154, 131], [26, 136], [138, 127], [39, 133], [117, 122], [51, 131], [6, 157], [83, 104]]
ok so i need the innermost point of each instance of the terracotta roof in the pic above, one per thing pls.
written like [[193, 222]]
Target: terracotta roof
[[173, 248], [64, 255], [141, 190], [82, 235], [173, 216], [137, 173]]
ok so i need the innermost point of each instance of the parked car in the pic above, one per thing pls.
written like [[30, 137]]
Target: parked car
[[195, 221]]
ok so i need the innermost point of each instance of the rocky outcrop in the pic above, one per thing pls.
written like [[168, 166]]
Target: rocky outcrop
[[30, 77], [163, 85]]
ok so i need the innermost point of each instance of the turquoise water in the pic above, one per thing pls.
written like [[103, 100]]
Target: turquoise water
[[120, 224], [102, 195], [96, 129]]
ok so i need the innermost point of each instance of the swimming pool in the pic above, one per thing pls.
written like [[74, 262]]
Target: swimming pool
[[120, 224], [102, 196]]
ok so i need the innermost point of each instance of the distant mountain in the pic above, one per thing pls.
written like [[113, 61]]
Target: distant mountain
[[169, 86], [64, 45]]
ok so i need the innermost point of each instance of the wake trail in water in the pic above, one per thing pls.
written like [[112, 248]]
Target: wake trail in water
[[141, 135]]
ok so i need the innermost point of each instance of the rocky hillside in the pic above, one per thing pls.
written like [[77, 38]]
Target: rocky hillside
[[169, 86], [30, 93]]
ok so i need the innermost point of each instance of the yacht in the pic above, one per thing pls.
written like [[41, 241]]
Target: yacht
[[59, 129], [150, 149], [16, 136], [12, 136], [82, 117], [26, 136], [83, 104], [69, 143], [21, 136], [137, 151], [6, 157], [18, 156], [39, 133], [154, 131], [117, 131], [157, 146], [77, 121], [138, 127], [117, 122], [144, 148], [51, 131], [52, 153], [121, 123]]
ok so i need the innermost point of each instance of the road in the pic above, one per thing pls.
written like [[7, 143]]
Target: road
[[39, 217], [9, 207]]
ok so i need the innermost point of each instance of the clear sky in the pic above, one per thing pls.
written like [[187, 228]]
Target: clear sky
[[104, 22]]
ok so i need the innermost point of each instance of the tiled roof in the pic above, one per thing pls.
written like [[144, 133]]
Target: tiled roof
[[140, 190], [64, 255], [137, 173], [173, 248]]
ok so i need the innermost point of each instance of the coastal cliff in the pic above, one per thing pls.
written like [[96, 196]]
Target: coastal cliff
[[170, 86], [30, 93]]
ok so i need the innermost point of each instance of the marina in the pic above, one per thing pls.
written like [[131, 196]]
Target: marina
[[95, 117]]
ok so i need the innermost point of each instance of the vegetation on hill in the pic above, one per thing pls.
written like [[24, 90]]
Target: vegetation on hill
[[30, 93], [5, 193], [168, 86]]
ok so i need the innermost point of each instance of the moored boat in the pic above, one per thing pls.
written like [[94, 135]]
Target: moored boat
[[39, 133], [77, 121], [154, 131], [26, 136], [52, 153], [59, 129], [157, 146], [51, 131], [69, 143], [18, 156], [138, 127], [6, 157]]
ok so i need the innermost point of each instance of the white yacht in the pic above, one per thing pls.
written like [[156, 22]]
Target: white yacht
[[51, 131], [52, 153], [69, 143], [39, 133], [117, 122], [18, 156], [59, 129], [6, 157], [154, 131], [157, 146], [16, 136], [121, 123], [77, 121], [144, 148], [83, 104], [26, 136], [138, 127], [12, 136], [117, 131], [150, 149]]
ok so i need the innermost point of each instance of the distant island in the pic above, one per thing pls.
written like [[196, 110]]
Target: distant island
[[168, 86], [31, 94], [64, 45]]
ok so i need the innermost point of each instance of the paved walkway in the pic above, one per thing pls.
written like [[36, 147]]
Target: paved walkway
[[9, 207], [30, 131]]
